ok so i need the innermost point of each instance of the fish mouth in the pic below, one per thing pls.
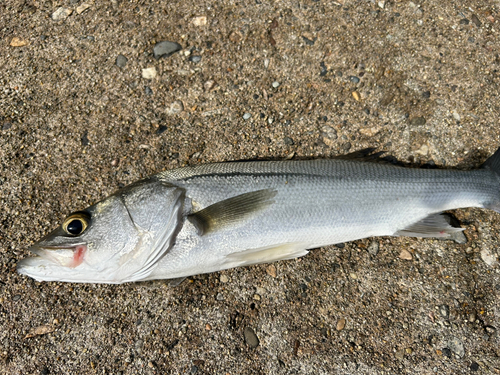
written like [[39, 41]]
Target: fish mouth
[[66, 256]]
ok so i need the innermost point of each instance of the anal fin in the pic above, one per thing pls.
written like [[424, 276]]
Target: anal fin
[[435, 225], [267, 254]]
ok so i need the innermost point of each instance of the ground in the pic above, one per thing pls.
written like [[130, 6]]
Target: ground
[[290, 79]]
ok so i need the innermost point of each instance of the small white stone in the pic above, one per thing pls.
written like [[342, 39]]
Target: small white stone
[[82, 8], [149, 73], [276, 84], [456, 116], [176, 107], [61, 13], [489, 258], [381, 4], [199, 21], [224, 279], [246, 116]]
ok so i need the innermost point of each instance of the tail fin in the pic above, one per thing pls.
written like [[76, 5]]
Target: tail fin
[[493, 164]]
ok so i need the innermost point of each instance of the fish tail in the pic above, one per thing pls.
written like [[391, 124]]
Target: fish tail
[[493, 164]]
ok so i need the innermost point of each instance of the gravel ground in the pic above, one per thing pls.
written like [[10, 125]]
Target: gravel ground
[[86, 108]]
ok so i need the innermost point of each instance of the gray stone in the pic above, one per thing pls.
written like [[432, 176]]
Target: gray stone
[[195, 59], [251, 338], [456, 346], [121, 61], [418, 121], [165, 49]]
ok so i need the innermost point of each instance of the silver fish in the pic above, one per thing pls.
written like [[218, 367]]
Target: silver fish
[[212, 217]]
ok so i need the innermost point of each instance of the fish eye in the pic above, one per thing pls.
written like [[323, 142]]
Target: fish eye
[[76, 223]]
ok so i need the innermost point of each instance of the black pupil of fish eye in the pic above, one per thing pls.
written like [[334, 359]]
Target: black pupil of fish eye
[[75, 227]]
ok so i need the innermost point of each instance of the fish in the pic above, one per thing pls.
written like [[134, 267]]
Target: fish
[[211, 217]]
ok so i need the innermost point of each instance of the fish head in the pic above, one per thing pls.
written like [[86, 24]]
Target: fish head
[[117, 240]]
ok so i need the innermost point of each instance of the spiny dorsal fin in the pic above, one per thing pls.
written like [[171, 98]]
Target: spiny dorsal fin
[[435, 225], [231, 211]]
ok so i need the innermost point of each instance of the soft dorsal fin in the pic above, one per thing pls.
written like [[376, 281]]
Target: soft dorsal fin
[[231, 211], [434, 225]]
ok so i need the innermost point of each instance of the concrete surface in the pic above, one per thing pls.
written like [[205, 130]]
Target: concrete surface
[[290, 79]]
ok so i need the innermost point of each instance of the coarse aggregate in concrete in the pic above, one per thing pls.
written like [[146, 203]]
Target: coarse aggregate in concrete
[[86, 108]]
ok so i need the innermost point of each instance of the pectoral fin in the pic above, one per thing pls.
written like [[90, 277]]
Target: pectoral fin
[[267, 254], [231, 211], [435, 225]]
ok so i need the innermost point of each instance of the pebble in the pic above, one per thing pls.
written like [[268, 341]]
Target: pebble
[[224, 279], [17, 297], [246, 116], [456, 116], [456, 346], [40, 330], [256, 297], [121, 61], [354, 79], [61, 13], [161, 129], [341, 324], [381, 4], [276, 84], [149, 73], [220, 297], [418, 121], [474, 366], [165, 49], [489, 258], [400, 354], [464, 21], [199, 20], [271, 270], [148, 90], [289, 141], [370, 132], [250, 337], [405, 255], [426, 94], [176, 107], [195, 59], [356, 96], [444, 310], [208, 85], [475, 20], [373, 248], [82, 8], [471, 317], [18, 42]]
